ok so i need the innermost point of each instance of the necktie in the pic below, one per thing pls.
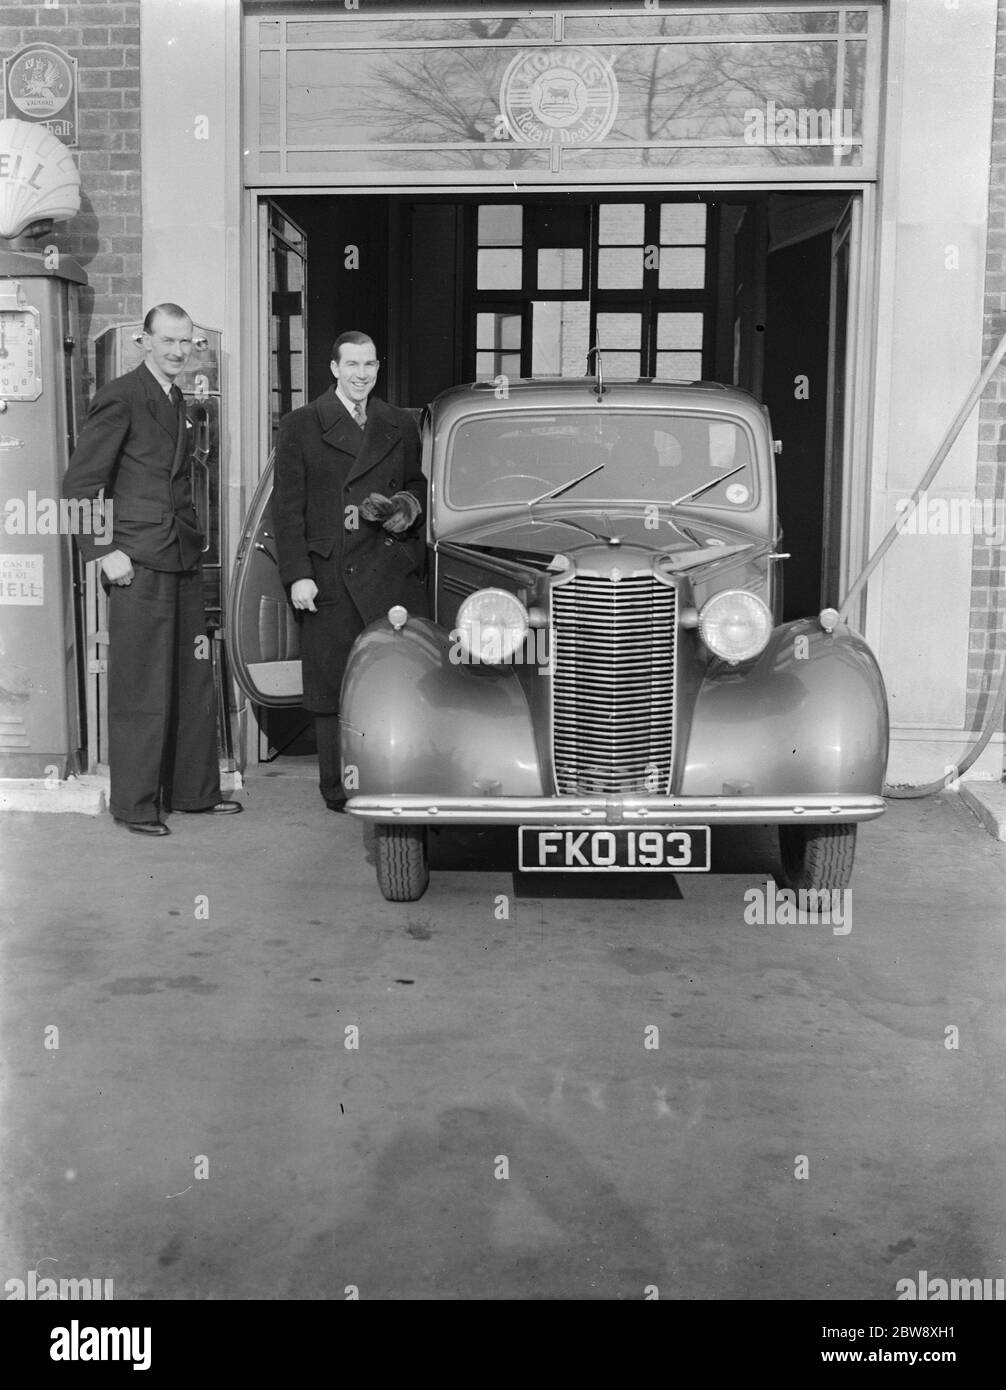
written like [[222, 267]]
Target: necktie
[[177, 401], [358, 415]]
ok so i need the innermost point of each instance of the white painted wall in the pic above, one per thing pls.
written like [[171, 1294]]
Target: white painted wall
[[189, 116], [937, 121], [190, 84]]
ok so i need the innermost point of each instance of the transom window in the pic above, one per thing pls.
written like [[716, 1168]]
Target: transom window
[[557, 94]]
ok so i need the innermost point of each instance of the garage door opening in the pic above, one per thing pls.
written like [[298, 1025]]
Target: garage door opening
[[745, 288]]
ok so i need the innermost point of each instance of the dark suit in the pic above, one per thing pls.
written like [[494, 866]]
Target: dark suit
[[133, 448], [325, 468]]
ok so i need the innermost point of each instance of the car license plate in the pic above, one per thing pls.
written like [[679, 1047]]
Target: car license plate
[[682, 849]]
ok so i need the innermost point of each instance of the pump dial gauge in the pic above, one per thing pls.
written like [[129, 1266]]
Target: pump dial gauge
[[20, 355]]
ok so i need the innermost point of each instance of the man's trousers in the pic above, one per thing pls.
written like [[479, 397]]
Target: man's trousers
[[327, 737], [162, 715]]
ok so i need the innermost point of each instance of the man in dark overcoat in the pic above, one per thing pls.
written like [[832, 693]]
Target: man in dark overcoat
[[162, 713], [349, 511]]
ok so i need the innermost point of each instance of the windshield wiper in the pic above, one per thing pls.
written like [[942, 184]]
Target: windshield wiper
[[564, 521], [697, 492], [564, 487]]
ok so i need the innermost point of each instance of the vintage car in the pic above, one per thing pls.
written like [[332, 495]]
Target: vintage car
[[606, 670]]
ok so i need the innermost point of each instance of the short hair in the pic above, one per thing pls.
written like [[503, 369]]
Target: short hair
[[171, 311], [352, 336]]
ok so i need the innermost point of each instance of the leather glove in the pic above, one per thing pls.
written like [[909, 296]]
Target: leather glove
[[396, 514]]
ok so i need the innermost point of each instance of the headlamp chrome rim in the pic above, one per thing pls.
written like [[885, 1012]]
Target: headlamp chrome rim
[[735, 625], [486, 638]]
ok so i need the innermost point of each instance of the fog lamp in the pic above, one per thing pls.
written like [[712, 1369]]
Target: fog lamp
[[735, 625], [492, 625]]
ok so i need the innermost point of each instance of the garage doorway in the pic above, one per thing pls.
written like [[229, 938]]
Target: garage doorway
[[743, 287]]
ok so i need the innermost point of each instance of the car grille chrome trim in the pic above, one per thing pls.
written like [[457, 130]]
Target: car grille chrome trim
[[613, 645]]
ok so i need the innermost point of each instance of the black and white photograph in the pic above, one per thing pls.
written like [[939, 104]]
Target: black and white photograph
[[512, 499]]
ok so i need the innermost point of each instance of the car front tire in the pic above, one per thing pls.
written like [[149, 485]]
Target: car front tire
[[817, 856], [403, 867]]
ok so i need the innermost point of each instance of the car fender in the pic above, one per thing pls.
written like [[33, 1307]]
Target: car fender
[[414, 721], [808, 715]]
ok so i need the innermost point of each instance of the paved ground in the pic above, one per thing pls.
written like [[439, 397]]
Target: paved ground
[[203, 1131]]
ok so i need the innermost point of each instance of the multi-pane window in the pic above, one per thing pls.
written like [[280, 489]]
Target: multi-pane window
[[497, 344], [682, 246], [621, 237], [500, 241], [551, 282], [679, 346]]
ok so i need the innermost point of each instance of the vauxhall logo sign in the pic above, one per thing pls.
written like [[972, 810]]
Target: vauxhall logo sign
[[40, 87]]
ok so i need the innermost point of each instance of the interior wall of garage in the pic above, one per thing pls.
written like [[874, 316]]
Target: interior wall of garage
[[348, 280], [796, 372]]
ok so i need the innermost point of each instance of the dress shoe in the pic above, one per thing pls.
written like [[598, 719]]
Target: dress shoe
[[337, 803], [222, 808], [144, 827]]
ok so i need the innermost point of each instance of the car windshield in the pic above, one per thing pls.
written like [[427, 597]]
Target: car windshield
[[638, 456]]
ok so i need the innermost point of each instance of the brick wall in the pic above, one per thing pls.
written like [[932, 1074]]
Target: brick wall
[[106, 235], [988, 597]]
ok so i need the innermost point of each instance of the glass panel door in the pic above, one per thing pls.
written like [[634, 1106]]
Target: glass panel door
[[283, 249]]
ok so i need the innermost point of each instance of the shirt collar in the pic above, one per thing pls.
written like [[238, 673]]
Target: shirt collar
[[350, 405], [162, 381]]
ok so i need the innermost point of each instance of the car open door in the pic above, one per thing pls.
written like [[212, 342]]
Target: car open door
[[262, 630]]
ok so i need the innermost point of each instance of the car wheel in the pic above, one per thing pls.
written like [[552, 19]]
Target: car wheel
[[403, 869], [817, 856]]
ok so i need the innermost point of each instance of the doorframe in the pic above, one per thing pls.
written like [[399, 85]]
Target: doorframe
[[860, 385]]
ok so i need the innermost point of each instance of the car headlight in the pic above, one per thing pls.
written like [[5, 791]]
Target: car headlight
[[492, 625], [735, 625]]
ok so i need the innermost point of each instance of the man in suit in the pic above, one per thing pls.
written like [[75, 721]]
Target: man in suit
[[162, 718], [350, 507]]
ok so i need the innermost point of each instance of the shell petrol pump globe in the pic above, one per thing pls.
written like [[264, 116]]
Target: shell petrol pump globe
[[39, 181]]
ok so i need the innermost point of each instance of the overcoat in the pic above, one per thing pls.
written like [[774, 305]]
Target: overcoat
[[324, 469]]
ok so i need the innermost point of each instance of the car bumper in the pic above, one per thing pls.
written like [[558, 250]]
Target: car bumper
[[615, 810]]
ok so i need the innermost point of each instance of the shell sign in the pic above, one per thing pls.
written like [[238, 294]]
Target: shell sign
[[39, 180]]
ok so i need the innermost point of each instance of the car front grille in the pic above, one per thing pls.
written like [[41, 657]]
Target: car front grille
[[613, 685]]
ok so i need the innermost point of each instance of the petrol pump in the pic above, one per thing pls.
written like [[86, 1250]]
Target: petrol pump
[[40, 696]]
